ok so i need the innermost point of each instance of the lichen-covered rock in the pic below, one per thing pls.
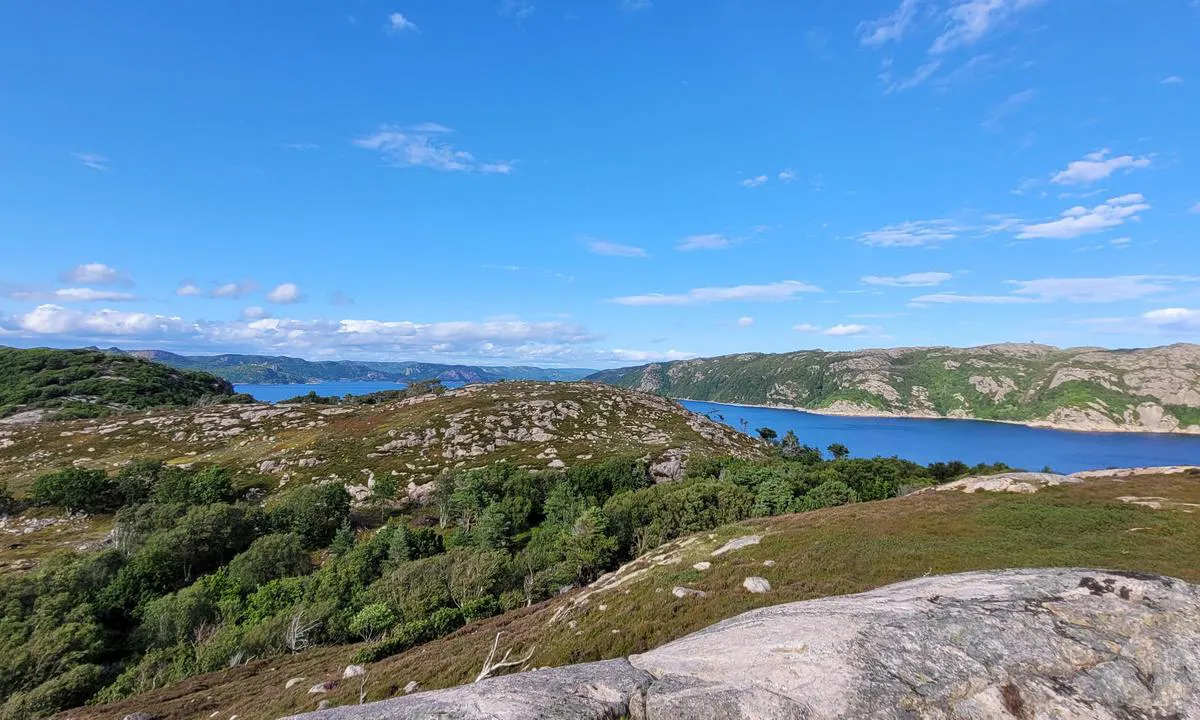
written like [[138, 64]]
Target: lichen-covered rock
[[1054, 643]]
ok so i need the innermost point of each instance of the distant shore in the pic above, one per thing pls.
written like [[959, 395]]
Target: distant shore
[[1038, 424]]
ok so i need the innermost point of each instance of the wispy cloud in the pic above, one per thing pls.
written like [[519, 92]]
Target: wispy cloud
[[1086, 290], [1174, 319], [920, 75], [1195, 209], [302, 146], [753, 182], [94, 161], [517, 9], [1172, 80], [893, 26], [71, 295], [602, 247], [913, 233], [188, 289], [233, 290], [772, 292], [969, 21], [839, 330], [397, 24], [95, 274], [706, 242], [423, 146], [921, 279], [787, 175], [285, 294], [636, 5], [745, 321], [994, 121], [1098, 166], [1079, 220]]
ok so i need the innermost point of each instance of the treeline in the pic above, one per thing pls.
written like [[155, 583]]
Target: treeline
[[413, 389], [199, 577]]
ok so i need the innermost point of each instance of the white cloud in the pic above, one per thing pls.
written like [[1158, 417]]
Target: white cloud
[[517, 9], [705, 242], [422, 146], [187, 289], [919, 76], [787, 175], [233, 290], [648, 355], [398, 24], [1079, 220], [95, 274], [917, 233], [71, 295], [255, 312], [753, 182], [994, 121], [892, 26], [1172, 80], [846, 329], [957, 299], [772, 292], [302, 146], [1097, 166], [807, 328], [601, 247], [58, 320], [285, 294], [1174, 319], [745, 321], [92, 160], [968, 21], [1121, 242], [921, 279], [1094, 290]]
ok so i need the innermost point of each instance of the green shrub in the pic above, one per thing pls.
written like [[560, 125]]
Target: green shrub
[[313, 512], [77, 490], [268, 558], [830, 493]]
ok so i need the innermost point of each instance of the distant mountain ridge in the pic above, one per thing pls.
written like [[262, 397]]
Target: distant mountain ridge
[[1146, 390], [238, 368]]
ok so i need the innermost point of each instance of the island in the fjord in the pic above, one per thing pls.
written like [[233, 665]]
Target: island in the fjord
[[1147, 390]]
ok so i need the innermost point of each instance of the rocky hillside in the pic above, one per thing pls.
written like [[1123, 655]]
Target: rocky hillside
[[43, 383], [1148, 390], [1125, 522], [282, 369], [1076, 643], [536, 425]]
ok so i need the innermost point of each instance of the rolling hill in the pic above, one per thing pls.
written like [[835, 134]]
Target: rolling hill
[[280, 369], [1145, 390], [42, 383]]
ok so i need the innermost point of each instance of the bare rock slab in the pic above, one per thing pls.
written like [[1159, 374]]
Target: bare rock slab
[[1050, 643]]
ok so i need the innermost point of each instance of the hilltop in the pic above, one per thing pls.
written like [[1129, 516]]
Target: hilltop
[[1106, 520], [411, 440], [42, 383], [281, 369], [1145, 390]]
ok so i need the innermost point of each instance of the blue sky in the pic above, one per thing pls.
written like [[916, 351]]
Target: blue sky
[[598, 183]]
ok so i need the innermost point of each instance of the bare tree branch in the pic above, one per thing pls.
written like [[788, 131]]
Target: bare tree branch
[[489, 668]]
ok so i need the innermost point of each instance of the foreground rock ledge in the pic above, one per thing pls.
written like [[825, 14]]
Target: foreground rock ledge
[[1057, 643]]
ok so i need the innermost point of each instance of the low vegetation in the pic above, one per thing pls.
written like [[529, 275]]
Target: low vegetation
[[201, 574], [91, 383]]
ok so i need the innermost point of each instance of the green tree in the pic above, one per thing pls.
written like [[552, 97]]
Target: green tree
[[77, 489], [372, 621], [828, 494], [838, 451], [774, 497], [767, 434], [313, 512], [269, 557], [589, 549]]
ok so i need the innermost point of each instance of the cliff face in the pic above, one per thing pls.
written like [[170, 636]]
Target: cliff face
[[1147, 390], [1026, 643]]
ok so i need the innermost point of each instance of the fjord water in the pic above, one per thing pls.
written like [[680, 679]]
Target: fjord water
[[919, 440]]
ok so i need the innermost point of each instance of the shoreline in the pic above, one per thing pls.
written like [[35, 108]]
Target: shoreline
[[1034, 424]]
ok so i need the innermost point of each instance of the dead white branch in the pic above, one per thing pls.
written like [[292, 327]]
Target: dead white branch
[[489, 667]]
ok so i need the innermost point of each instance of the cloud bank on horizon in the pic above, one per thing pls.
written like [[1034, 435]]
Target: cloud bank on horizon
[[506, 183]]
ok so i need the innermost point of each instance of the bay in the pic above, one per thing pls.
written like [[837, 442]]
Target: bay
[[919, 440]]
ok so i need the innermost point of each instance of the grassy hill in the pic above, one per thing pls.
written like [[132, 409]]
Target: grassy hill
[[281, 369], [826, 552], [1153, 389], [90, 383]]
